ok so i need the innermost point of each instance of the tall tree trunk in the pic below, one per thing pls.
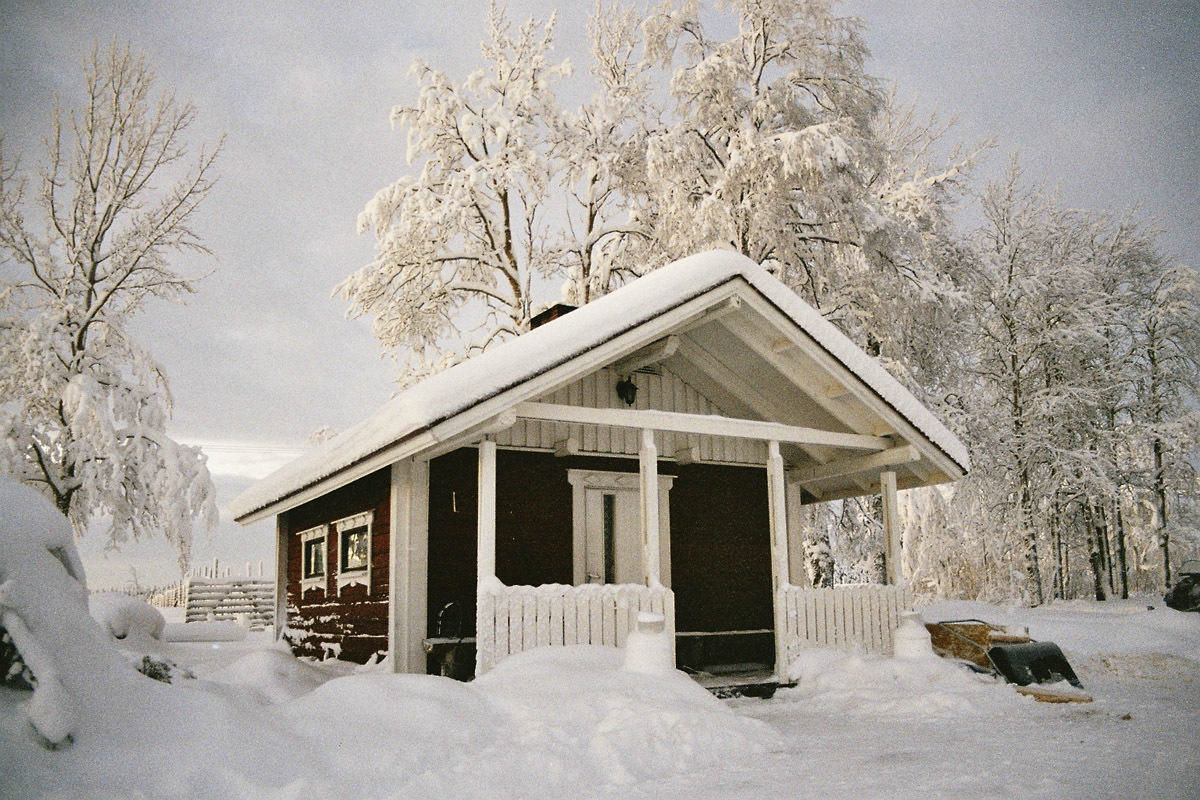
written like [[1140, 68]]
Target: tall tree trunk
[[1160, 495], [1094, 557], [1056, 527], [1100, 517], [1122, 558], [1032, 566]]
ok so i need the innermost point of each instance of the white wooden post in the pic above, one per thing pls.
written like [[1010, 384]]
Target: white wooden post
[[777, 515], [891, 526], [486, 522], [407, 556], [281, 574], [648, 469]]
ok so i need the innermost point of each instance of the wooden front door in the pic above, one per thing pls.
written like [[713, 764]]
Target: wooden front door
[[612, 552]]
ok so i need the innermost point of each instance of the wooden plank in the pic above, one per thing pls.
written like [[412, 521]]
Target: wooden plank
[[556, 619], [569, 634], [711, 425], [626, 602], [588, 399], [891, 527], [604, 395], [893, 456], [500, 647], [595, 618], [608, 634], [529, 621], [486, 513], [485, 632], [543, 619]]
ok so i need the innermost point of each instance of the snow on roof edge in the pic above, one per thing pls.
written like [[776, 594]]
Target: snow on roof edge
[[465, 385]]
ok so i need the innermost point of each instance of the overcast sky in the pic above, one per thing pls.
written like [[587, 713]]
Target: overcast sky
[[1101, 99]]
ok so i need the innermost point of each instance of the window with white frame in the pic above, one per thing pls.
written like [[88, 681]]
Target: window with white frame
[[354, 550], [313, 547]]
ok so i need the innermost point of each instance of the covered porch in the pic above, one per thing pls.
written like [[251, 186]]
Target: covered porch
[[602, 602]]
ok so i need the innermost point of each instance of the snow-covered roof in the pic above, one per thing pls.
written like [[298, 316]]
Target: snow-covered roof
[[465, 385]]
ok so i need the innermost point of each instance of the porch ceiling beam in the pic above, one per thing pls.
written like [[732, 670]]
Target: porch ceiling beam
[[892, 457], [652, 353], [737, 386], [703, 424]]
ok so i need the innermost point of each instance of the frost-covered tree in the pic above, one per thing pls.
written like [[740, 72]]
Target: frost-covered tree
[[85, 242], [467, 229], [1166, 344], [774, 140], [602, 148], [780, 144], [1066, 325]]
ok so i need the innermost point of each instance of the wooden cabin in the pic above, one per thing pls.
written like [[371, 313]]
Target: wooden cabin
[[649, 451]]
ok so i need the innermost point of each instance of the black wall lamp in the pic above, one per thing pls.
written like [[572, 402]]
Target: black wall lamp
[[627, 391]]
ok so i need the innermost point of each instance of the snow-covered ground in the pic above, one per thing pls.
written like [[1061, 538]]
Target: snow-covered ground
[[256, 723]]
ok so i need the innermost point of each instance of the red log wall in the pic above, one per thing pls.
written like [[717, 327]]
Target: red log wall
[[356, 620]]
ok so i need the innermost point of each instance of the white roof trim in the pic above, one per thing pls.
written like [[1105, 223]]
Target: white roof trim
[[641, 304]]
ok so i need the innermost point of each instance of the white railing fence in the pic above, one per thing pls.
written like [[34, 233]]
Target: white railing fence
[[512, 619], [843, 617]]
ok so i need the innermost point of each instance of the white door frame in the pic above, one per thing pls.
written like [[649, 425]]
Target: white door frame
[[584, 480]]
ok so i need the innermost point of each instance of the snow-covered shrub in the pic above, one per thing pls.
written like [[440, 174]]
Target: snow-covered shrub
[[14, 673], [122, 615], [162, 669]]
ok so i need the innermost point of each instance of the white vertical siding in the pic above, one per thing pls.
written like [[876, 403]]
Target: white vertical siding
[[665, 392]]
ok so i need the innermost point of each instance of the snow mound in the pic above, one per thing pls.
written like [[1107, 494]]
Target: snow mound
[[275, 674], [831, 681], [124, 616], [544, 723], [43, 607], [564, 701]]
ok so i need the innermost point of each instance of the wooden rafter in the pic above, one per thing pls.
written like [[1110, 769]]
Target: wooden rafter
[[873, 462], [703, 424]]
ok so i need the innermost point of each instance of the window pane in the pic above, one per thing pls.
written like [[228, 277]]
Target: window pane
[[354, 549], [314, 558]]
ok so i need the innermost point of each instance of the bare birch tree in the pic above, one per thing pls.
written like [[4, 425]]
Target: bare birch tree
[[86, 240]]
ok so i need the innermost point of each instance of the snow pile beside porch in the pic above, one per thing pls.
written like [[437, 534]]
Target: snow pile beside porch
[[562, 722], [840, 683]]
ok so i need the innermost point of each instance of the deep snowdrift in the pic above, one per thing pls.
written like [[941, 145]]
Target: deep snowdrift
[[570, 722]]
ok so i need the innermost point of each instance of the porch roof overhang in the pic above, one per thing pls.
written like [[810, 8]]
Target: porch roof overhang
[[780, 370]]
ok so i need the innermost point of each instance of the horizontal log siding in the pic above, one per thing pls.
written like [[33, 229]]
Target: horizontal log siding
[[354, 623], [665, 392]]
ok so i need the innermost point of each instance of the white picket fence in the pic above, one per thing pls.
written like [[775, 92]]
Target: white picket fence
[[843, 617], [230, 598], [512, 619]]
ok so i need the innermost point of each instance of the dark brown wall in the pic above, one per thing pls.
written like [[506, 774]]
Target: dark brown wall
[[356, 620], [720, 547]]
